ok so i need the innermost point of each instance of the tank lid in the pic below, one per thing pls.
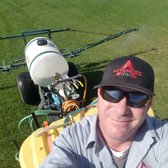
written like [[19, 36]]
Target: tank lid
[[42, 41]]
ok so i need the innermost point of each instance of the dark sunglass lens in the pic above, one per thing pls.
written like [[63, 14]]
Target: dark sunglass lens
[[137, 100], [113, 96]]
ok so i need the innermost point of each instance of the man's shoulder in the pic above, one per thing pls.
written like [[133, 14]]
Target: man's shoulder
[[86, 122], [82, 130], [83, 125], [157, 124]]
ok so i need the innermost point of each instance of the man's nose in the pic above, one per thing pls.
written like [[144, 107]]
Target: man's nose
[[122, 107]]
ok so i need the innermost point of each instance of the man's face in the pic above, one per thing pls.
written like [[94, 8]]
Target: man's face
[[118, 121]]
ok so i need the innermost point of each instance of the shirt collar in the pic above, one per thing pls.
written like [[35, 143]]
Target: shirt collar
[[147, 130], [94, 138]]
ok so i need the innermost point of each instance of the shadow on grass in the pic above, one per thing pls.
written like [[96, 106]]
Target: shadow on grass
[[93, 78], [92, 67], [93, 72]]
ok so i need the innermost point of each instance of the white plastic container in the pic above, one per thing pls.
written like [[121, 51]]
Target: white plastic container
[[44, 60]]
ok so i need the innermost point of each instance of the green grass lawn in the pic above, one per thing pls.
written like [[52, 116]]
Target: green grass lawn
[[107, 17]]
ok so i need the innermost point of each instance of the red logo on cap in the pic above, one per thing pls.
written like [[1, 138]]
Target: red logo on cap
[[127, 70]]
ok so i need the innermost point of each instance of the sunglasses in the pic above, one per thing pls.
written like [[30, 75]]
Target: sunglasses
[[134, 99]]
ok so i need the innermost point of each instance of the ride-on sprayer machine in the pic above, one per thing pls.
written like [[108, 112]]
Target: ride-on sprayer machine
[[56, 87]]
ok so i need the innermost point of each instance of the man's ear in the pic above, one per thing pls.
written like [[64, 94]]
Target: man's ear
[[148, 104], [99, 90]]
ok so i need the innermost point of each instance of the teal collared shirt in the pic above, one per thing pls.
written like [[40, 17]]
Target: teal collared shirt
[[80, 146]]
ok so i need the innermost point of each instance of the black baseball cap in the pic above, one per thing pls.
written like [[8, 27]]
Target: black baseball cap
[[129, 72]]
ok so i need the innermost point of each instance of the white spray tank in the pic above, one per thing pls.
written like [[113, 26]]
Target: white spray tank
[[44, 60]]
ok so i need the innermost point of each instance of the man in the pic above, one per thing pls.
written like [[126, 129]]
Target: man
[[121, 135]]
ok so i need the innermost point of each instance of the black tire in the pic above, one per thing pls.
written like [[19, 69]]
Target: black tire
[[72, 69], [28, 90]]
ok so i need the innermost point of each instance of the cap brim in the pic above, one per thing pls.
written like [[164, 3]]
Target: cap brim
[[128, 86]]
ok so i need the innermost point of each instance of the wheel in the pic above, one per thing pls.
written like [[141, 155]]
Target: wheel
[[28, 90], [72, 69]]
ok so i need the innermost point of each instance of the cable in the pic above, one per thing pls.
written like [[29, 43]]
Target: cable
[[17, 156], [52, 127], [30, 119], [92, 104], [70, 105], [85, 89]]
